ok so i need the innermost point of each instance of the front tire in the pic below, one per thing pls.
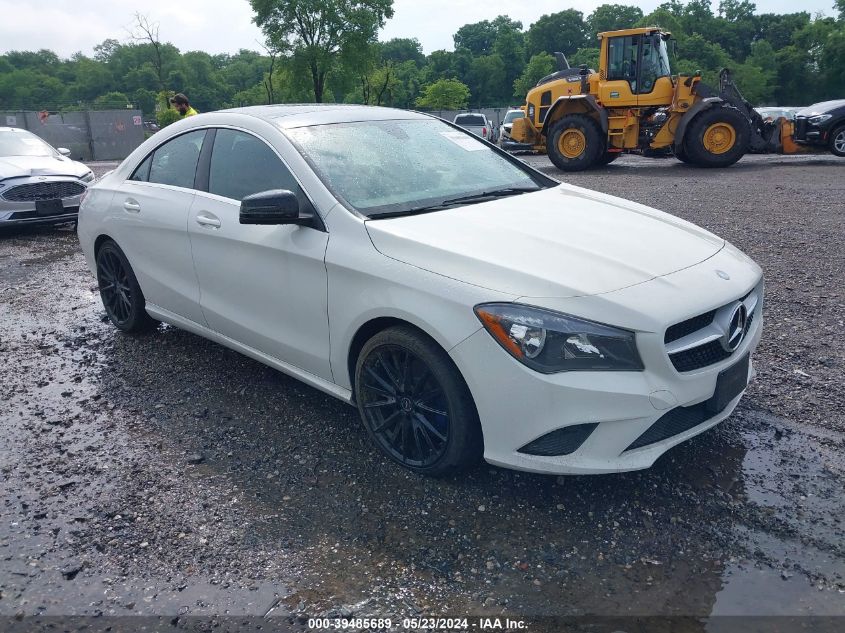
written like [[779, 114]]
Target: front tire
[[717, 137], [119, 290], [681, 155], [415, 404], [575, 143], [837, 141]]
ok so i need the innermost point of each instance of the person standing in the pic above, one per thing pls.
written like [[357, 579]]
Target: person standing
[[182, 105]]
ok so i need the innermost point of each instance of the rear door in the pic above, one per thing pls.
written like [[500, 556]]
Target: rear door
[[151, 213], [262, 286]]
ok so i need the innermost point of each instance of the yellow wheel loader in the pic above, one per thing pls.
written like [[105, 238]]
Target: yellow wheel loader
[[583, 118]]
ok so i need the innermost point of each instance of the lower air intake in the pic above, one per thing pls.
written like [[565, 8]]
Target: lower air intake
[[559, 442]]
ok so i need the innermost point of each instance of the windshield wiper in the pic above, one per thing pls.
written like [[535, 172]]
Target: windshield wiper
[[475, 197], [495, 193], [412, 211]]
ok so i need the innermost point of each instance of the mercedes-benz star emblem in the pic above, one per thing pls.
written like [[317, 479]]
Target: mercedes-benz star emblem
[[735, 331]]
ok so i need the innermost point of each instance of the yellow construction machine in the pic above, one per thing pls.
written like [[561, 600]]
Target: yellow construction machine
[[583, 118]]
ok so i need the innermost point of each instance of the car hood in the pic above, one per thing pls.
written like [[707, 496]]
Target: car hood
[[25, 166], [560, 242], [823, 107]]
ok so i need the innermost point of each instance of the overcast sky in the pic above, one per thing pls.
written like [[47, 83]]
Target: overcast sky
[[224, 26]]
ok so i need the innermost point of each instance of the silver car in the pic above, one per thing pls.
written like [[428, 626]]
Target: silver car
[[38, 183]]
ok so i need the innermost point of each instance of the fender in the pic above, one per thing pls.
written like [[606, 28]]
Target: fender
[[589, 101], [698, 106]]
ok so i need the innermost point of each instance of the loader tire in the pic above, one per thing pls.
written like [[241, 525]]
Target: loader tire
[[609, 157], [717, 137], [576, 143], [681, 155]]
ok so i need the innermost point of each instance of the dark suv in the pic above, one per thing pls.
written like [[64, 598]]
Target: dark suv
[[822, 124]]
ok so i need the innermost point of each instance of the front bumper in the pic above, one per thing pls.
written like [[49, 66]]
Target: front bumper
[[507, 143], [24, 212], [518, 406], [807, 133], [28, 218]]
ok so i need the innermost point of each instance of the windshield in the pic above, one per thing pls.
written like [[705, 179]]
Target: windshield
[[385, 167], [655, 62], [23, 143], [513, 116]]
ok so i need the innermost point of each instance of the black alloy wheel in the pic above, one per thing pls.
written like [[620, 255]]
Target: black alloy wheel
[[414, 403], [119, 290]]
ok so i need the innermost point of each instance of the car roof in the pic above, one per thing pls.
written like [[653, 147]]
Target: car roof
[[301, 115]]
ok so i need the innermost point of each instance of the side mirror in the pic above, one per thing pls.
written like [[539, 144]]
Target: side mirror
[[277, 206], [64, 151]]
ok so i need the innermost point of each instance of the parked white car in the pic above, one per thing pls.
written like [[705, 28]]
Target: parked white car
[[505, 140], [39, 184], [464, 302], [475, 123]]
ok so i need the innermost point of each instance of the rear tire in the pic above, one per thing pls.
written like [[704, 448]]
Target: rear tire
[[575, 143], [415, 404], [717, 137], [119, 290], [837, 141]]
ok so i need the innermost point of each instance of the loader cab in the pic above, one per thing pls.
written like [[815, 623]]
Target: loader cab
[[634, 68]]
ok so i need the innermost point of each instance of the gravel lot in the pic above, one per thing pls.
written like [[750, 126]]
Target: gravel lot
[[166, 475]]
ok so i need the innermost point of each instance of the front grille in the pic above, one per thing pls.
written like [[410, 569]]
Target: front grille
[[680, 330], [800, 128], [559, 442], [44, 191], [704, 355]]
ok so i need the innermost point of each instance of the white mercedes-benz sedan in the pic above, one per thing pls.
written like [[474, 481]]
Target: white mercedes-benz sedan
[[466, 304]]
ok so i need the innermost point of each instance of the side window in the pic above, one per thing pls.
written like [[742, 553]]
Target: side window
[[622, 59], [175, 162], [242, 164], [142, 172]]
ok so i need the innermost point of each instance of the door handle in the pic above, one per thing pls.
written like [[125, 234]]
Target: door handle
[[132, 206], [206, 219]]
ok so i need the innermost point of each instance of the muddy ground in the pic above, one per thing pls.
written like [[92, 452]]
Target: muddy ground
[[164, 475]]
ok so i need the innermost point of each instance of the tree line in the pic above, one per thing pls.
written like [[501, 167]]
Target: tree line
[[328, 51]]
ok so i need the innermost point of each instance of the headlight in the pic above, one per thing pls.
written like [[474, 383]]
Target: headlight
[[819, 118], [89, 177], [551, 342]]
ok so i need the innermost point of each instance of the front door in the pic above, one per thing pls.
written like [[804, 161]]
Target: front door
[[262, 286], [619, 88]]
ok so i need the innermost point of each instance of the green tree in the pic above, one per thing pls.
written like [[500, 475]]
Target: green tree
[[318, 31], [538, 66], [564, 31], [402, 49], [478, 38], [487, 81], [111, 101], [588, 56], [613, 17], [444, 94]]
